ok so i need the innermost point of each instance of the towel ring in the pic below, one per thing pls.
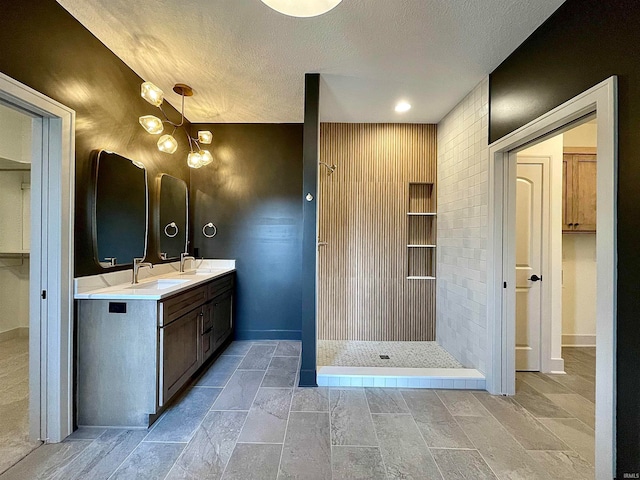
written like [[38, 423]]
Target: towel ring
[[212, 226], [169, 226]]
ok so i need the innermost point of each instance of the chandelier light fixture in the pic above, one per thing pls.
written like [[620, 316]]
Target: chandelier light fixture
[[167, 143], [302, 8]]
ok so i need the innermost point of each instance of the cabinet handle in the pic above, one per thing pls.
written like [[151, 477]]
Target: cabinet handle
[[570, 224], [208, 330], [576, 224]]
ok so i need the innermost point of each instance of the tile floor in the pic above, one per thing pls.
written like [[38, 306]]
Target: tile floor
[[14, 402], [244, 419], [350, 353]]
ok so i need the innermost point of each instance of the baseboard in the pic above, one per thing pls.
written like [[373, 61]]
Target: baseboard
[[268, 335], [18, 332], [578, 340]]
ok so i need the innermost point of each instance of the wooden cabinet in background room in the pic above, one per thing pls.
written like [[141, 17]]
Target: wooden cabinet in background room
[[579, 190]]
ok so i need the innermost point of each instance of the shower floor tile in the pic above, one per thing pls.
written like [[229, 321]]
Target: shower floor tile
[[351, 353]]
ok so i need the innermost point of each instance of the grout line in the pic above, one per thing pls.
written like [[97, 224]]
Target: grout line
[[331, 432], [165, 441], [461, 448], [286, 428], [260, 443]]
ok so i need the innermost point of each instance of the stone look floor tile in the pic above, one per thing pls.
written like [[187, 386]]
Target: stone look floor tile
[[385, 400], [181, 419], [357, 463], [538, 404], [220, 372], [567, 465], [462, 464], [461, 403], [282, 372], [530, 433], [288, 349], [267, 419], [437, 425], [500, 450], [577, 405], [45, 461], [404, 452], [574, 433], [258, 357], [209, 451], [310, 400], [149, 461], [351, 422], [541, 382], [253, 462], [103, 456], [240, 391], [306, 454], [238, 348]]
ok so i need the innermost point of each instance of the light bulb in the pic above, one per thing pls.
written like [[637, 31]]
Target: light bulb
[[194, 160], [205, 136], [206, 156], [151, 94], [402, 107], [151, 124], [167, 144]]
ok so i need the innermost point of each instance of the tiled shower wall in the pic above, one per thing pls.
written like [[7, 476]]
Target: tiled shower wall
[[461, 299]]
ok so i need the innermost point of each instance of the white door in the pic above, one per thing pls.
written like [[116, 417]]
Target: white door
[[529, 205]]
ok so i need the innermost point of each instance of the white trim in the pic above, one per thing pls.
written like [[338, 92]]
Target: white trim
[[601, 99], [50, 344], [578, 340]]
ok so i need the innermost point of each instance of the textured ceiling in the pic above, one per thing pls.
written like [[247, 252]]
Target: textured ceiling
[[247, 62]]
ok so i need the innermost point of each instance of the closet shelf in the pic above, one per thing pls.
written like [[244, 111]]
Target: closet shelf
[[420, 246], [15, 254], [416, 277], [422, 214]]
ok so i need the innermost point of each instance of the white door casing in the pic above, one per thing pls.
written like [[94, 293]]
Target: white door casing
[[500, 375], [51, 261], [531, 200]]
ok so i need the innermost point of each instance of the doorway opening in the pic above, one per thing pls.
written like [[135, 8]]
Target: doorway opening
[[15, 195], [555, 270], [36, 244], [505, 253]]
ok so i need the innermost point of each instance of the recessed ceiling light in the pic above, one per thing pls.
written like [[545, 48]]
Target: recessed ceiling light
[[402, 107], [302, 8]]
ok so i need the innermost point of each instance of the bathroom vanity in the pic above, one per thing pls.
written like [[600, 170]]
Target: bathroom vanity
[[138, 345]]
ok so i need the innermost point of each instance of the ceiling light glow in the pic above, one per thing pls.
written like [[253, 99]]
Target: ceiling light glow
[[302, 8], [402, 107]]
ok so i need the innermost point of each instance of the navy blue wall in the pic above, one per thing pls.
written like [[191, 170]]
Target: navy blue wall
[[583, 43], [252, 192]]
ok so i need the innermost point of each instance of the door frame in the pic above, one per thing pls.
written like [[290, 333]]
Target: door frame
[[602, 100], [51, 261]]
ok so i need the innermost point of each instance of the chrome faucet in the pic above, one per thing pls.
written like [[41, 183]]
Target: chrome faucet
[[183, 258], [137, 265]]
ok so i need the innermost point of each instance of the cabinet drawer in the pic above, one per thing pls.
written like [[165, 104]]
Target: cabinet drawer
[[175, 307], [219, 286]]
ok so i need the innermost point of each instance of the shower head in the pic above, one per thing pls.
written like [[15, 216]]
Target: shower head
[[331, 168]]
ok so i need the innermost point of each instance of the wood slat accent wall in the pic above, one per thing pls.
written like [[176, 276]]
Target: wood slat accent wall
[[363, 292]]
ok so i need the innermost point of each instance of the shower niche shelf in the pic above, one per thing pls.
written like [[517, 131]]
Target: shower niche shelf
[[421, 232]]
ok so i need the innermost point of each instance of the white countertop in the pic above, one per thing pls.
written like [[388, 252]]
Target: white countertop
[[165, 283]]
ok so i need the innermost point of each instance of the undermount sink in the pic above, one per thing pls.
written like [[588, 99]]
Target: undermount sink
[[201, 271], [160, 284]]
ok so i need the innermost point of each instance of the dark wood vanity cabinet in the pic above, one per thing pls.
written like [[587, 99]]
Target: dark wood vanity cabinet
[[132, 360], [188, 341]]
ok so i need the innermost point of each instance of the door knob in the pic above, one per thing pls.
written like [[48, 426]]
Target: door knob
[[535, 278]]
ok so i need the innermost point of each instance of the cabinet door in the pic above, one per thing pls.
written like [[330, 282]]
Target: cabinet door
[[206, 333], [567, 192], [222, 317], [179, 353], [585, 188]]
